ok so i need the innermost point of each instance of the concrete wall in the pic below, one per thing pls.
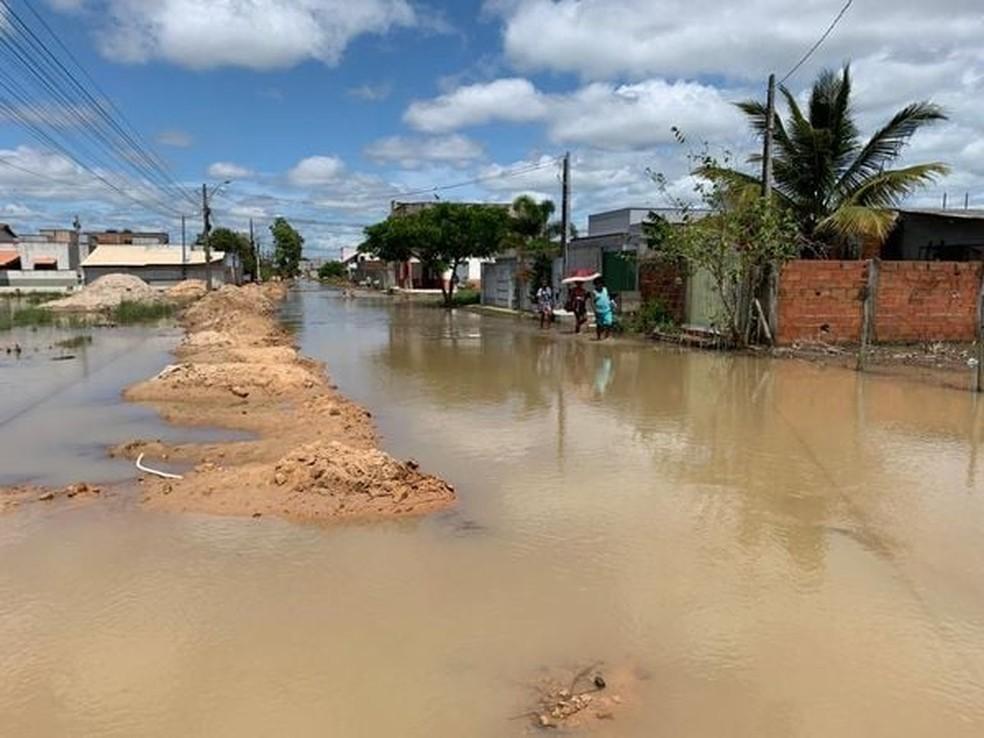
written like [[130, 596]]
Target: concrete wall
[[616, 221], [161, 276], [43, 281], [499, 284], [916, 301]]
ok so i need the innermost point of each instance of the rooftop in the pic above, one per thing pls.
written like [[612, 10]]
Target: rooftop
[[973, 214], [136, 256]]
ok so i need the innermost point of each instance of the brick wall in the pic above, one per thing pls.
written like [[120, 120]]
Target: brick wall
[[667, 284], [927, 301], [916, 301], [821, 301]]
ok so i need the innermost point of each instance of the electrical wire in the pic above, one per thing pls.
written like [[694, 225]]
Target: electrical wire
[[812, 50]]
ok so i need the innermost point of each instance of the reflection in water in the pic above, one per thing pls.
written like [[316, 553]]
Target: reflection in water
[[784, 549]]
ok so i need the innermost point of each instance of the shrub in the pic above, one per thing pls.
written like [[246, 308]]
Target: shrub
[[650, 316], [466, 296], [331, 270], [128, 312]]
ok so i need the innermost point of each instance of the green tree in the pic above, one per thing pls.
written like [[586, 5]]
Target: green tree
[[331, 270], [442, 237], [841, 190], [535, 237], [288, 247], [229, 241], [736, 238]]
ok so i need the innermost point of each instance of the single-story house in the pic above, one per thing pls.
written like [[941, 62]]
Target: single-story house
[[930, 234], [160, 266], [45, 261]]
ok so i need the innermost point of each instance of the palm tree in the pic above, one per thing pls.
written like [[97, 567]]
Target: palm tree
[[839, 189]]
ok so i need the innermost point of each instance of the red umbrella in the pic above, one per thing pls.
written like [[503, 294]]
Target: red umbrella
[[581, 275]]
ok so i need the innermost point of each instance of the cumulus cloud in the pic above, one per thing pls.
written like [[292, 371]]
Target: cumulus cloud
[[412, 152], [315, 171], [228, 170], [604, 38], [514, 100], [257, 34], [599, 114], [177, 139]]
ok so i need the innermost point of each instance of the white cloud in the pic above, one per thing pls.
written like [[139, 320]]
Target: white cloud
[[412, 152], [257, 34], [177, 139], [599, 114], [228, 170], [372, 93], [316, 170], [603, 38], [513, 100]]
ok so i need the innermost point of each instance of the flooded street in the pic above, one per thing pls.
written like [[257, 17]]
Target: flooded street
[[773, 548]]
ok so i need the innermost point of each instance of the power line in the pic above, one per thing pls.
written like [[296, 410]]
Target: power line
[[817, 45], [488, 178]]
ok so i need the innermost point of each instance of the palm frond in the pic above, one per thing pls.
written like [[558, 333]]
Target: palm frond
[[739, 184], [860, 222], [887, 189], [886, 144]]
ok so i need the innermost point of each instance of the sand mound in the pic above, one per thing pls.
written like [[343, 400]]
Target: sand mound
[[187, 291], [107, 293], [241, 316], [355, 481], [183, 382]]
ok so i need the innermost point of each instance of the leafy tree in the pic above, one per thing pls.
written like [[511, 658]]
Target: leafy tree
[[535, 237], [442, 237], [840, 189], [738, 237], [287, 249], [331, 270], [229, 241]]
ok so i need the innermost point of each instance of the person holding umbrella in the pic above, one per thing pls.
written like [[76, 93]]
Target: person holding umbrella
[[577, 298]]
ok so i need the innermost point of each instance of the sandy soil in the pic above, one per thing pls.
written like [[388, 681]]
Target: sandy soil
[[107, 293], [315, 455], [12, 498], [580, 699]]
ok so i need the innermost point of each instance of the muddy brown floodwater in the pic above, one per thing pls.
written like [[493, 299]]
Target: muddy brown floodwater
[[771, 548]]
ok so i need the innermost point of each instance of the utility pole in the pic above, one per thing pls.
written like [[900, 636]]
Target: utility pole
[[184, 250], [565, 210], [207, 223], [255, 251], [770, 126]]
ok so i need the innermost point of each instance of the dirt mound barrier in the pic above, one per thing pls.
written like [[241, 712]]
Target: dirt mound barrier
[[190, 290], [107, 293], [185, 382], [349, 481]]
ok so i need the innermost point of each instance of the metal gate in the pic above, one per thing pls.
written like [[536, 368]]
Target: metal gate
[[619, 271]]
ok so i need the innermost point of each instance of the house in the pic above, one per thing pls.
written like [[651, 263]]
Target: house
[[44, 261], [160, 265], [936, 235], [128, 238]]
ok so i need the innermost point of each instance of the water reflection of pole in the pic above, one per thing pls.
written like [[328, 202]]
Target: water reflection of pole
[[561, 414], [975, 440]]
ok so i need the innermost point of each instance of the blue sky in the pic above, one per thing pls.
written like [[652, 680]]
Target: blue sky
[[324, 110]]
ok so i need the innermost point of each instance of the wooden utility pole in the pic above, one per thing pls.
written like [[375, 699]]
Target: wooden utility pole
[[207, 229], [770, 127], [565, 212], [255, 252]]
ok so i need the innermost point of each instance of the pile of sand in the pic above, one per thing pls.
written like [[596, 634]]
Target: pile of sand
[[352, 481], [107, 293], [187, 291], [240, 316], [185, 382]]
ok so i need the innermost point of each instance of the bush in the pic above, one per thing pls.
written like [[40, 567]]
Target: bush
[[28, 316], [466, 296], [128, 312], [650, 316], [331, 270]]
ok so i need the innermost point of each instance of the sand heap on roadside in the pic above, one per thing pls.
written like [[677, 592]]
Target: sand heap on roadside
[[186, 292], [315, 457], [107, 293]]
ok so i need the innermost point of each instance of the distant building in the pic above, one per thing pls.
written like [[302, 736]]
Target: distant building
[[44, 261], [7, 234], [127, 238], [160, 266], [936, 235]]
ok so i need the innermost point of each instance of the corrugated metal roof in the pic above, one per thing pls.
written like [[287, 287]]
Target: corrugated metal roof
[[8, 257], [138, 256], [955, 213]]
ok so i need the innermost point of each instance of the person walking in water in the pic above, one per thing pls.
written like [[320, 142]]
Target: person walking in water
[[545, 306], [604, 316], [579, 306]]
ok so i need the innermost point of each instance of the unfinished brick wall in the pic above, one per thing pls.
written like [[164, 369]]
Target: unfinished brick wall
[[916, 301], [821, 301], [927, 301], [667, 284]]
